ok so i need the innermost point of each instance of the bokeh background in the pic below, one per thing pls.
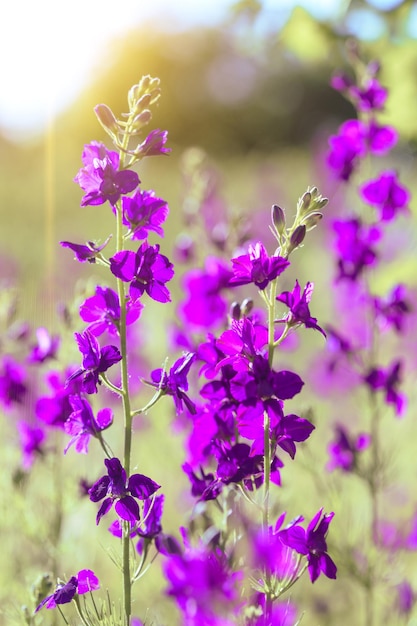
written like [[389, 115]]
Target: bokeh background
[[247, 83]]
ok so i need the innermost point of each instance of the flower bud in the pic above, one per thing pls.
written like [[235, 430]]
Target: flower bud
[[246, 306], [312, 220], [297, 237], [278, 218], [106, 118], [235, 311], [143, 118]]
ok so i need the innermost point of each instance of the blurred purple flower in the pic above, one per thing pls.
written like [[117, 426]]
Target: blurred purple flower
[[100, 177], [87, 252], [393, 308], [45, 348], [346, 148], [115, 488], [83, 582], [312, 544], [175, 382], [31, 440], [82, 425], [370, 97], [386, 194], [297, 302], [388, 380], [406, 598], [144, 212], [354, 245], [344, 449], [54, 410], [96, 360], [13, 386], [102, 311], [257, 267], [145, 270]]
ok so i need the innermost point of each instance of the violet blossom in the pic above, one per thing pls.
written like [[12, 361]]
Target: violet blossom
[[46, 347], [85, 252], [146, 271], [96, 360], [82, 424], [144, 212], [257, 267], [13, 383], [387, 380], [386, 194], [102, 311], [84, 582], [115, 488], [101, 178], [175, 383], [31, 442], [297, 302], [344, 449], [154, 144], [355, 246], [55, 409]]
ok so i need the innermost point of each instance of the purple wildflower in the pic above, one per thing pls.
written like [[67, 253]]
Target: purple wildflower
[[13, 387], [54, 410], [144, 212], [297, 302], [380, 139], [175, 382], [31, 440], [370, 97], [346, 149], [393, 309], [45, 348], [100, 177], [154, 144], [96, 360], [83, 582], [145, 270], [354, 245], [115, 488], [87, 252], [388, 380], [344, 449], [82, 425], [241, 343], [102, 311], [312, 543], [386, 194], [257, 267]]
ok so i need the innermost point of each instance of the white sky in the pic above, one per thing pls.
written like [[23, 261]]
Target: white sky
[[50, 48]]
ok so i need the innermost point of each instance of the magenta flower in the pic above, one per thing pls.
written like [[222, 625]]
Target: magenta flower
[[31, 440], [96, 360], [346, 149], [241, 343], [87, 252], [13, 386], [297, 302], [115, 488], [312, 544], [102, 311], [82, 424], [83, 582], [257, 267], [154, 144], [144, 212], [380, 139], [100, 177], [175, 383], [54, 410], [386, 194], [355, 246], [344, 449], [393, 308], [387, 380], [146, 271], [370, 97], [45, 348]]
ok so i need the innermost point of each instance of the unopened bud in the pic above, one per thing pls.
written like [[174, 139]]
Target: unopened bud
[[246, 306], [235, 311], [106, 118], [297, 237], [143, 118], [321, 203], [278, 218], [312, 220]]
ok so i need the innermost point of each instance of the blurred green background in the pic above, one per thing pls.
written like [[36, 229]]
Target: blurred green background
[[251, 89]]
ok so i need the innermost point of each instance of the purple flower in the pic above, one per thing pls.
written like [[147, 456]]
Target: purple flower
[[31, 440], [354, 245], [386, 194], [312, 543], [204, 306], [87, 252], [13, 386], [100, 177], [299, 312], [202, 585], [388, 380], [54, 410], [83, 582], [154, 144], [175, 382], [102, 311], [46, 347], [393, 308], [146, 270], [344, 449], [380, 139], [257, 267], [96, 360], [115, 488], [82, 424], [346, 149], [144, 212], [241, 343], [370, 97]]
